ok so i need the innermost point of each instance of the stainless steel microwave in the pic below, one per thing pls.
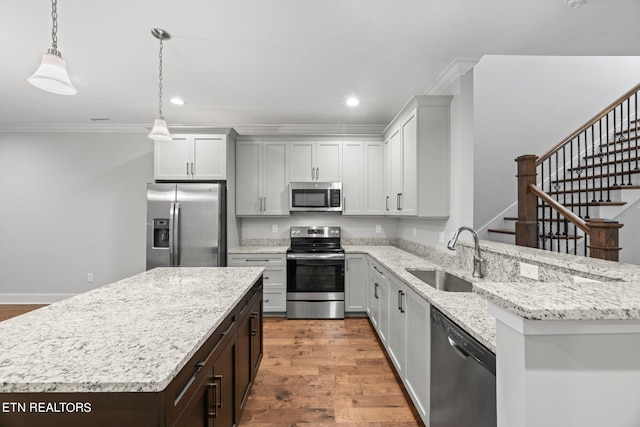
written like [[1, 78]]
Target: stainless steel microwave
[[315, 196]]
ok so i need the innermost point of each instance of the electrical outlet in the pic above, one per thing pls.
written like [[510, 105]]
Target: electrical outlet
[[274, 228], [89, 277], [529, 271], [378, 229]]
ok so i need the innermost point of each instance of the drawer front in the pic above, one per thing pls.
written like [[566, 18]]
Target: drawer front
[[274, 300], [256, 260], [273, 277]]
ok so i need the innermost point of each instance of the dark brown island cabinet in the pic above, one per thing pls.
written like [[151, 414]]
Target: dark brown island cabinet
[[210, 391]]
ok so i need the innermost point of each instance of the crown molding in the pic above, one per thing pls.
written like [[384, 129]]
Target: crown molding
[[240, 129], [447, 82]]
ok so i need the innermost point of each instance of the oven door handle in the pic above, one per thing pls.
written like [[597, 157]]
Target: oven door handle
[[315, 256]]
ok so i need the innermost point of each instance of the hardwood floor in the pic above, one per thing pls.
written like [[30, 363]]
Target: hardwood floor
[[325, 373], [7, 311], [317, 373]]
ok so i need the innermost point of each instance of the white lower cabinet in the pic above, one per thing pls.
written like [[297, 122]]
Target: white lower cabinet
[[274, 295], [379, 301], [417, 368], [402, 320], [396, 342], [355, 283]]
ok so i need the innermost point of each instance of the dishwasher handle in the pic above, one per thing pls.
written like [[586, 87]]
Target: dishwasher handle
[[459, 350]]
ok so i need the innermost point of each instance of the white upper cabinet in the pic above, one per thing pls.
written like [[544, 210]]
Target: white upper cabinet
[[191, 157], [417, 159], [353, 178], [362, 178], [262, 178], [315, 161]]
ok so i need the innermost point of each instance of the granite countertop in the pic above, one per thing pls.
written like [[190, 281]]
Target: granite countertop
[[133, 335], [467, 309], [566, 301]]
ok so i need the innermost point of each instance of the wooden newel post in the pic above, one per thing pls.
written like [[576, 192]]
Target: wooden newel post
[[604, 239], [527, 224]]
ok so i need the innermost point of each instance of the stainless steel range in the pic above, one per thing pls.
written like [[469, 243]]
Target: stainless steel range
[[315, 274]]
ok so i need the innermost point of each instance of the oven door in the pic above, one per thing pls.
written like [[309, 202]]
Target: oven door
[[315, 276]]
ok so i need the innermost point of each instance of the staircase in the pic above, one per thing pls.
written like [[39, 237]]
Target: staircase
[[593, 173]]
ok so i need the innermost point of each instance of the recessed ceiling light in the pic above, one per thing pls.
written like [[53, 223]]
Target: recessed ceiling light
[[177, 101], [353, 101]]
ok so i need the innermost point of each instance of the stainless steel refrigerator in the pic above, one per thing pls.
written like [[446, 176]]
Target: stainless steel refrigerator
[[186, 225]]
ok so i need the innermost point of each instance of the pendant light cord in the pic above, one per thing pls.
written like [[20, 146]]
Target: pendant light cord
[[54, 29], [160, 83]]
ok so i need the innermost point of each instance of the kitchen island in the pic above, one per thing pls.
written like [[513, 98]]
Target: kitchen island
[[146, 350]]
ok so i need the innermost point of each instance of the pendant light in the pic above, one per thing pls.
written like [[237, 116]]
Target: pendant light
[[160, 132], [52, 74]]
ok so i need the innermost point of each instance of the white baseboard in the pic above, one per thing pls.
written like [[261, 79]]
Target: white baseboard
[[32, 298]]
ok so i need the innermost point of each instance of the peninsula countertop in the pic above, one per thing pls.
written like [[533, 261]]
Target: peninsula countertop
[[133, 335]]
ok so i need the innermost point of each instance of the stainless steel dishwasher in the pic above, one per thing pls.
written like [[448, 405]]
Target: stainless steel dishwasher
[[463, 377]]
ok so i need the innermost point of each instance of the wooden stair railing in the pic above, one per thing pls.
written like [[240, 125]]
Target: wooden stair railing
[[559, 191]]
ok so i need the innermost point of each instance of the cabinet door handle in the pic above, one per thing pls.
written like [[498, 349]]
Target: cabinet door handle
[[218, 404], [344, 203], [402, 294], [399, 196], [313, 174], [228, 329], [386, 203], [317, 173], [346, 266], [375, 290], [193, 169], [212, 391], [187, 167], [254, 331], [376, 269]]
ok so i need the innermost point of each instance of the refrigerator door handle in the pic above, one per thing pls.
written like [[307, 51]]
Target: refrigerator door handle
[[171, 234], [176, 232]]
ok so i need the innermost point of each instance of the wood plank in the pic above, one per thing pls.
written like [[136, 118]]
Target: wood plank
[[7, 311], [325, 373]]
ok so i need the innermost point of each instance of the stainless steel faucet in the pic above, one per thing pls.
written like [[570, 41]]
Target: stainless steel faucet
[[477, 260]]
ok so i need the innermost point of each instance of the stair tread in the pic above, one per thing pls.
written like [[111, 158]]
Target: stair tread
[[502, 231], [611, 152], [597, 189], [607, 163], [592, 204], [582, 178], [562, 236]]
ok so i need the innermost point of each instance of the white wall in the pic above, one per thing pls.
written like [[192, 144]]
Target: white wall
[[527, 104], [71, 204]]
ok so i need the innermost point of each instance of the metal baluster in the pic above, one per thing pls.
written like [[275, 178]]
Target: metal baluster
[[629, 140], [637, 129], [542, 242], [606, 142], [615, 164], [601, 155]]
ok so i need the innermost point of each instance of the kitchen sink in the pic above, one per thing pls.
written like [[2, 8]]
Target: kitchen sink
[[442, 281]]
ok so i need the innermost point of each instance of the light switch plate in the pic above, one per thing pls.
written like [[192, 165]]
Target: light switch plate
[[274, 228], [89, 277], [529, 271], [378, 229]]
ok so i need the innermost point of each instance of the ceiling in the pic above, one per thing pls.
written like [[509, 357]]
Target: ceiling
[[276, 62]]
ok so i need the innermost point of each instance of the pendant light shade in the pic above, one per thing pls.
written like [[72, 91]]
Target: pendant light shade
[[52, 75], [160, 131]]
